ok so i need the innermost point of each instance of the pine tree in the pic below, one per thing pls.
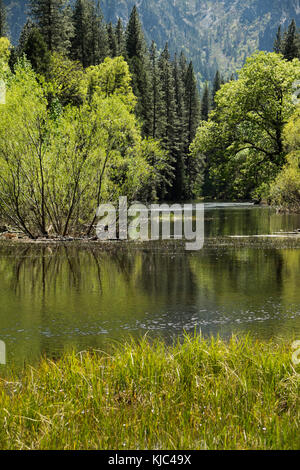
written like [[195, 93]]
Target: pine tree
[[36, 51], [183, 67], [112, 41], [205, 103], [82, 34], [216, 87], [179, 187], [169, 121], [193, 113], [156, 95], [99, 41], [120, 38], [192, 103], [27, 28], [290, 49], [18, 51], [168, 98], [278, 41], [53, 17], [3, 23], [138, 60], [89, 43]]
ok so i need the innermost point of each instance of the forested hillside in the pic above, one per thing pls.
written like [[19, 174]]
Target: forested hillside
[[213, 33], [233, 143]]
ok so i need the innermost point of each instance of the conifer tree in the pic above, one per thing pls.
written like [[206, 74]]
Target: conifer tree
[[156, 94], [216, 86], [99, 42], [53, 17], [18, 51], [36, 51], [193, 116], [120, 38], [183, 67], [3, 24], [278, 41], [168, 98], [179, 187], [138, 60], [27, 28], [289, 48], [192, 102], [169, 121], [112, 41], [81, 41], [205, 103]]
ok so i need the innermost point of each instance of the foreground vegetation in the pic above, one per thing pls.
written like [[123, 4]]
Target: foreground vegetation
[[202, 394]]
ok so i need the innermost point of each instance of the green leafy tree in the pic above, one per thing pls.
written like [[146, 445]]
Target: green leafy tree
[[5, 52], [55, 169], [66, 81], [285, 189], [242, 142], [112, 77]]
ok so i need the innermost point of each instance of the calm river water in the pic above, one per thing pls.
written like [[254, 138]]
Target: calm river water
[[55, 298]]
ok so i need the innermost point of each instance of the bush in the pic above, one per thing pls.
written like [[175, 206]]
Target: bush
[[285, 190]]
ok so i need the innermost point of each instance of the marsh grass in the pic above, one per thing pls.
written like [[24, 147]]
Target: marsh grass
[[197, 394]]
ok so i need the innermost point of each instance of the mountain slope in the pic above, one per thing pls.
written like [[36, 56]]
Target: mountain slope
[[213, 33]]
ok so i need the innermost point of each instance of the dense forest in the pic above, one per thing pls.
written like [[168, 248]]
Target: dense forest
[[92, 112], [214, 34]]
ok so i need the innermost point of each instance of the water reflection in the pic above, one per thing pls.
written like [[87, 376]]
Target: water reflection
[[53, 298]]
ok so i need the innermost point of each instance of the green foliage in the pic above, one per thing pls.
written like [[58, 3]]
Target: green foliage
[[5, 48], [59, 162], [289, 46], [242, 142], [67, 80], [138, 61], [54, 20], [205, 103], [285, 190], [112, 77], [89, 44], [36, 51]]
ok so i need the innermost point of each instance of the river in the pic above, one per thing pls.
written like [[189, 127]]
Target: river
[[54, 298]]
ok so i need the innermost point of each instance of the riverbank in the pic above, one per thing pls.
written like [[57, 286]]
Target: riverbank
[[201, 394]]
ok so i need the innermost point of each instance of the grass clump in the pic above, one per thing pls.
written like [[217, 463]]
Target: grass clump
[[200, 394]]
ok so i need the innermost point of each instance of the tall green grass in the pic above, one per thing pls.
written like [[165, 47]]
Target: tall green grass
[[201, 394]]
